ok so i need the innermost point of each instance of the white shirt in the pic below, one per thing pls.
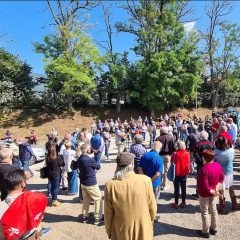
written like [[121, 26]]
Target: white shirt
[[234, 128], [68, 156], [62, 149]]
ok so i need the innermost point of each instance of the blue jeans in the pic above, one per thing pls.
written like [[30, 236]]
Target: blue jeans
[[107, 145], [72, 182], [25, 167], [55, 183], [144, 136], [97, 157], [16, 162], [152, 139]]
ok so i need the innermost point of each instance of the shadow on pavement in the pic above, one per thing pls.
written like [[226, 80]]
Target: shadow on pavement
[[165, 228], [53, 218], [166, 208], [37, 187]]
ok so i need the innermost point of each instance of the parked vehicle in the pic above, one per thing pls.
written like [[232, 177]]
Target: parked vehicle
[[38, 152]]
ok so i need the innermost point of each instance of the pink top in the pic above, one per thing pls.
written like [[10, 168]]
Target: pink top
[[209, 176]]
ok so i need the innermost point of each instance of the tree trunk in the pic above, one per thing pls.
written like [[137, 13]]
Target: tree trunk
[[214, 99], [70, 102], [152, 113], [118, 105]]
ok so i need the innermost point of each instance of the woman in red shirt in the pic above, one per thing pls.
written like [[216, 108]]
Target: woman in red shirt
[[181, 158]]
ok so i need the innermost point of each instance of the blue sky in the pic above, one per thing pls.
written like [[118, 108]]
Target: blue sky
[[24, 22]]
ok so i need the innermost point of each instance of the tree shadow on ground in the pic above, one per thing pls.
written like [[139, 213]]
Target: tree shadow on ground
[[27, 119], [165, 229]]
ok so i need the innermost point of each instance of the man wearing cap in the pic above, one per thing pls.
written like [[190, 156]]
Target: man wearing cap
[[166, 152], [129, 203], [138, 150]]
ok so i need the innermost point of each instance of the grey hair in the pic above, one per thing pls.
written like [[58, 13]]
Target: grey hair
[[224, 128], [138, 139], [5, 153], [121, 171], [180, 145], [85, 147], [203, 135]]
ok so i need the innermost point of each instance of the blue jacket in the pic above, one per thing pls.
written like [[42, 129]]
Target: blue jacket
[[25, 152], [87, 167]]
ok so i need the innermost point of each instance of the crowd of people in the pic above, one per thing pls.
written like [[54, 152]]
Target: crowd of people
[[146, 164]]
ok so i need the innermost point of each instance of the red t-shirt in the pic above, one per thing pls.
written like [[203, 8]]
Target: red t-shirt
[[181, 158]]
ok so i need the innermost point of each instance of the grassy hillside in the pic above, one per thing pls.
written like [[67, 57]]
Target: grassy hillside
[[21, 122]]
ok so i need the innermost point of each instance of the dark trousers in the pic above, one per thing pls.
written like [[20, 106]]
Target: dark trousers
[[199, 167], [55, 183], [180, 181], [136, 163]]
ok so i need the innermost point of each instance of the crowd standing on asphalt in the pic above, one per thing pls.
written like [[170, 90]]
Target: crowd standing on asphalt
[[191, 147]]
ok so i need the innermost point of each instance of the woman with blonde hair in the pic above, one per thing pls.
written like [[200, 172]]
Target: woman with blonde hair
[[69, 156]]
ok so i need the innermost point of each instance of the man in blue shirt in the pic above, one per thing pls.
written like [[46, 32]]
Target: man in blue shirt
[[97, 144], [151, 164]]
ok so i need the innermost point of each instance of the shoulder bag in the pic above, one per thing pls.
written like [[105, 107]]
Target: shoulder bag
[[171, 170]]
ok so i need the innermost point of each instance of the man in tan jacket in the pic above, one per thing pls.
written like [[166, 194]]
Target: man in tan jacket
[[129, 203]]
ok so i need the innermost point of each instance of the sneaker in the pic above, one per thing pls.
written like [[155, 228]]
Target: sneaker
[[55, 203], [157, 219], [203, 235], [98, 221], [174, 205], [64, 188], [85, 219], [182, 205], [45, 231], [166, 188], [212, 232], [195, 196]]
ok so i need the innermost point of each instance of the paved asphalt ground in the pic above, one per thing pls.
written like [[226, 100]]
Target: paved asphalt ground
[[174, 224]]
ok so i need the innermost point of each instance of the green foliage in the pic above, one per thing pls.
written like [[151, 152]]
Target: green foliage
[[16, 85], [72, 61], [169, 70], [116, 78]]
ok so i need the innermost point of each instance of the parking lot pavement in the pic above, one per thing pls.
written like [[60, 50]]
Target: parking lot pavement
[[174, 224]]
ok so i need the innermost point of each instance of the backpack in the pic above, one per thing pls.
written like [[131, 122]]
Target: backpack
[[30, 206]]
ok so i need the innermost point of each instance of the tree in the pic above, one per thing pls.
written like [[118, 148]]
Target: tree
[[16, 85], [115, 79], [168, 72], [70, 54], [215, 12]]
